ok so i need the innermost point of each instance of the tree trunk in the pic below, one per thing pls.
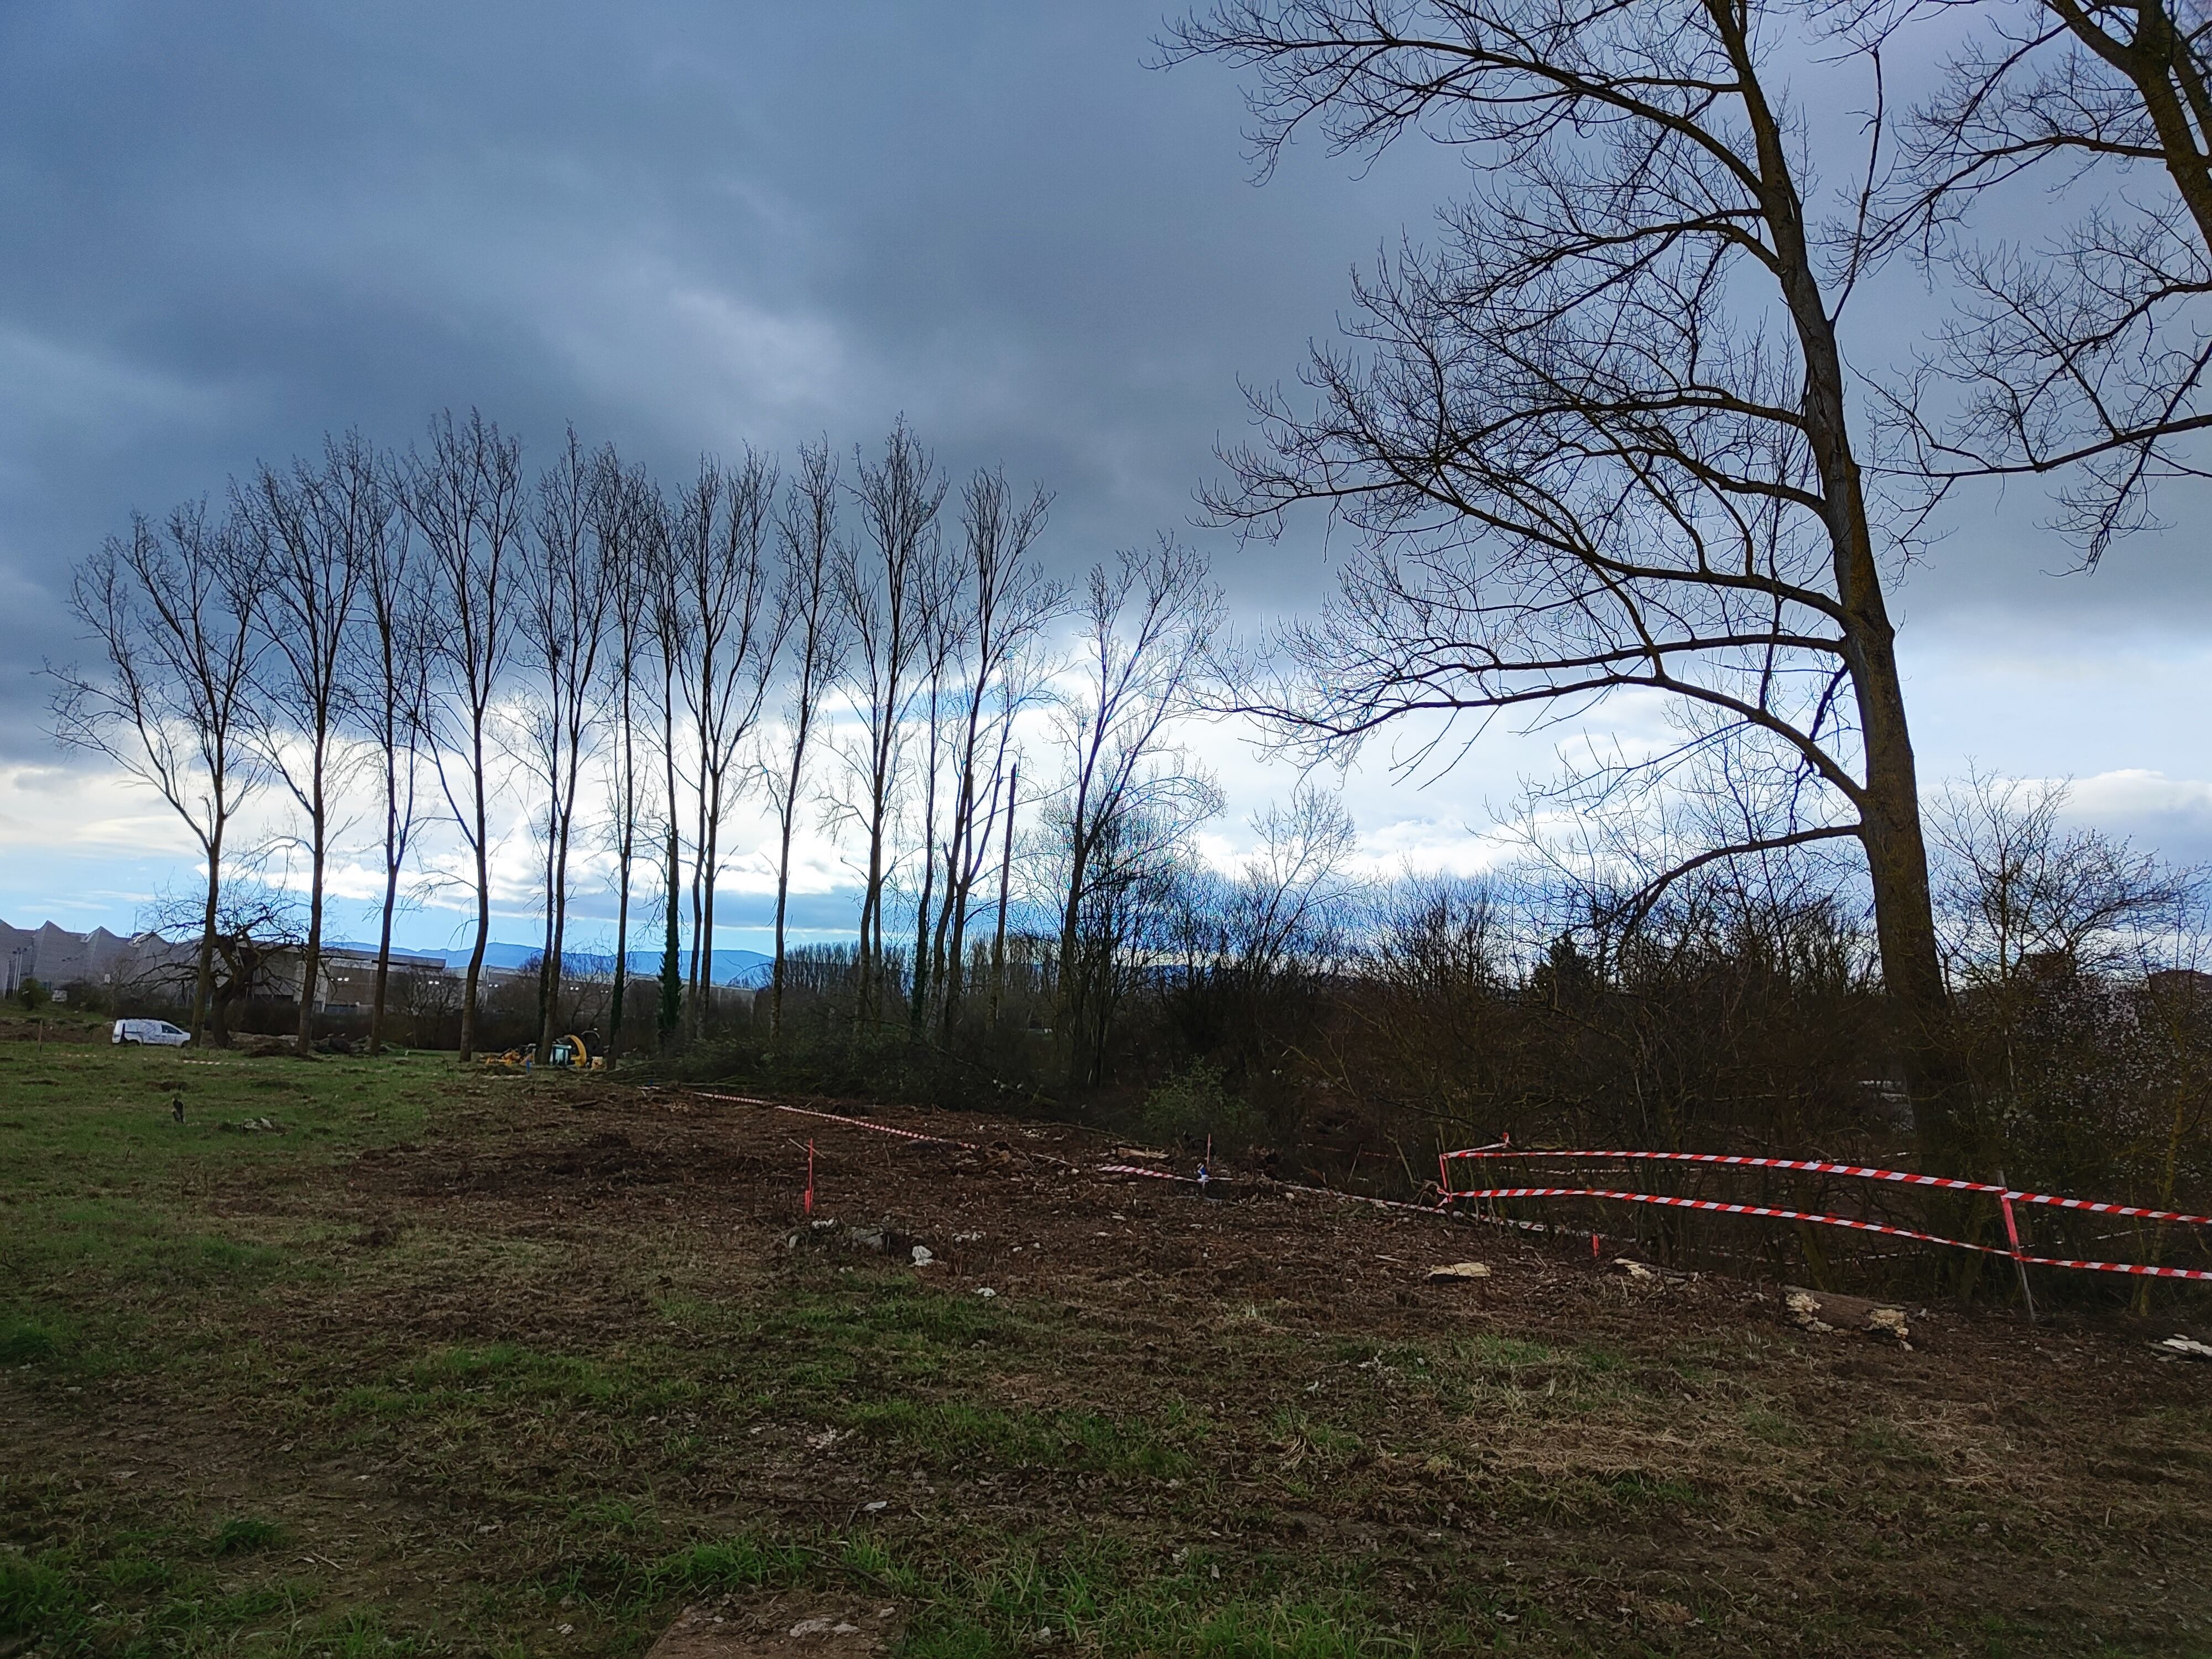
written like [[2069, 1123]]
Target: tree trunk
[[671, 960], [699, 943], [622, 958], [557, 905], [782, 896], [1889, 811], [383, 957], [483, 924], [671, 984], [310, 965], [920, 975], [203, 985], [547, 967], [1006, 879], [1070, 987], [704, 946]]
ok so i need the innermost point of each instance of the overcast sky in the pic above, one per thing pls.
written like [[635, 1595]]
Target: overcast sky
[[232, 227]]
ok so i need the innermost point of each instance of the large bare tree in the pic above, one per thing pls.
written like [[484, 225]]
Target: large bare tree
[[565, 600], [723, 585], [389, 702], [945, 632], [466, 499], [1130, 793], [881, 591], [672, 640], [625, 514], [1008, 602], [171, 609], [1600, 437], [2078, 351], [812, 626], [318, 529]]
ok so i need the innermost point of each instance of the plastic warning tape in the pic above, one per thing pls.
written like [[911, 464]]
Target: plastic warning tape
[[1720, 1208], [1861, 1172], [833, 1117]]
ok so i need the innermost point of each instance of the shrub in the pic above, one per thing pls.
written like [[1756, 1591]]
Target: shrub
[[1192, 1105]]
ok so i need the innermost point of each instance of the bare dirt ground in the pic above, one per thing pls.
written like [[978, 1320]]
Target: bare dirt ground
[[522, 1372]]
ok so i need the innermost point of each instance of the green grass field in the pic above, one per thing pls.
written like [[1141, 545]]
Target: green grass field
[[446, 1362]]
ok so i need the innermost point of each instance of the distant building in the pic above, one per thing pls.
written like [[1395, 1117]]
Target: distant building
[[57, 957], [345, 976]]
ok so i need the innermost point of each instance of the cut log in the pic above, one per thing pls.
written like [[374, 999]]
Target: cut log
[[1825, 1310]]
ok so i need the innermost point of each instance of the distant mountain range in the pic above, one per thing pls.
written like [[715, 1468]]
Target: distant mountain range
[[56, 955], [731, 967]]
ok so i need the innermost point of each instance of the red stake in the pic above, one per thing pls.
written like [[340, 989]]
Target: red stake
[[810, 1177], [2012, 1234]]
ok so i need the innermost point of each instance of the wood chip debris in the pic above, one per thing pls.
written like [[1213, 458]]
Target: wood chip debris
[[1452, 1270]]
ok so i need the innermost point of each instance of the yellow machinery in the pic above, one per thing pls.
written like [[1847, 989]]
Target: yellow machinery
[[570, 1052]]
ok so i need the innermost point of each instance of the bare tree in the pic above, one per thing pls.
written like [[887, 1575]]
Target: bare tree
[[1006, 887], [171, 609], [1290, 899], [2019, 893], [880, 602], [1009, 602], [944, 634], [1599, 439], [466, 501], [317, 530], [389, 695], [566, 600], [673, 641], [1148, 622], [813, 625], [2081, 353], [625, 511], [257, 928], [722, 583]]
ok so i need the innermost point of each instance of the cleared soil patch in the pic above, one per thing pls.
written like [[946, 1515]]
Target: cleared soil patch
[[537, 1353]]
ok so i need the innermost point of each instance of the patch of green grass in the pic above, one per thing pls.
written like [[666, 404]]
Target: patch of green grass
[[895, 1315], [1773, 1427], [747, 1561], [1099, 1596], [1299, 1435], [36, 1597], [1508, 1353], [27, 1341], [954, 1431], [243, 1535], [1877, 1437], [68, 1602], [358, 1633]]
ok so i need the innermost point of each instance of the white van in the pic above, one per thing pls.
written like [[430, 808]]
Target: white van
[[157, 1031]]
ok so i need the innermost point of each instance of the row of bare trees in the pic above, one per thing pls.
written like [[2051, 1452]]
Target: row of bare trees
[[1612, 431], [631, 667]]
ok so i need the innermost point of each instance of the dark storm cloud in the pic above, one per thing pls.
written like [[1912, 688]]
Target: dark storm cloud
[[234, 227]]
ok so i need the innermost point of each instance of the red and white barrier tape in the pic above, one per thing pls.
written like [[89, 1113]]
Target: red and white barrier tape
[[1139, 1170], [833, 1117], [1770, 1211], [1858, 1171], [1450, 1198]]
